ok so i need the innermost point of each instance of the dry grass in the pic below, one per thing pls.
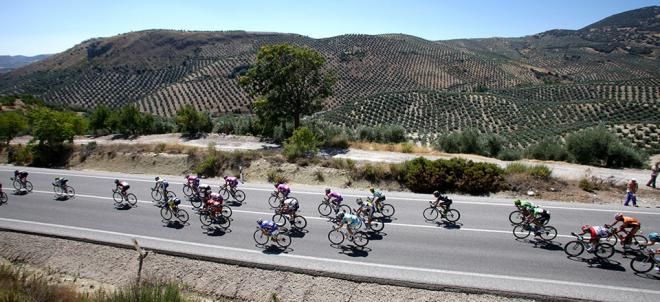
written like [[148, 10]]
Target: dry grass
[[401, 147]]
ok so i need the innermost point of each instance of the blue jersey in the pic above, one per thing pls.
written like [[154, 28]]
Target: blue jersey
[[268, 225]]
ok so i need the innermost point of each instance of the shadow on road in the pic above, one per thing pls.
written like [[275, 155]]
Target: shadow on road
[[274, 249], [548, 245], [215, 231], [652, 275], [354, 251], [20, 192], [123, 206], [376, 235], [235, 203], [61, 198], [298, 233], [595, 262], [177, 225]]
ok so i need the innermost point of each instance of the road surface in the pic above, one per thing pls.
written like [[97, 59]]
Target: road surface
[[479, 252]]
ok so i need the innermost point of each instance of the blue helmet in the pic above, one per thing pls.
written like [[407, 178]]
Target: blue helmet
[[654, 237]]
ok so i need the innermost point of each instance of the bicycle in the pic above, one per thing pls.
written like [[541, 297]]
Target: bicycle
[[120, 197], [522, 231], [575, 248], [432, 212], [188, 189], [158, 193], [644, 262], [376, 225], [280, 237], [227, 191], [3, 196], [385, 209], [637, 242], [518, 217], [21, 184], [275, 200], [337, 237], [62, 189], [326, 208], [280, 218], [212, 215], [167, 212], [196, 201]]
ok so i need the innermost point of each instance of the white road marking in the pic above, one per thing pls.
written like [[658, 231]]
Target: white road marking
[[352, 195], [349, 262]]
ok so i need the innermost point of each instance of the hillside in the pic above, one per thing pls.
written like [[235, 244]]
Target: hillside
[[613, 60], [9, 63]]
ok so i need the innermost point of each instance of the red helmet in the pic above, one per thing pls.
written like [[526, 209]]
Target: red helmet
[[585, 228]]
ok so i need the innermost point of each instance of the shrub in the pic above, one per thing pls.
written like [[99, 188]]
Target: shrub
[[98, 120], [599, 147], [128, 120], [193, 122], [492, 145], [303, 143], [470, 141], [548, 149], [509, 155], [275, 176], [425, 176], [237, 125], [588, 185], [540, 171], [11, 125], [516, 168], [407, 147], [54, 127], [389, 134], [19, 155]]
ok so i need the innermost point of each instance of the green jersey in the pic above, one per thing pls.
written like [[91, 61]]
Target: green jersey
[[527, 205]]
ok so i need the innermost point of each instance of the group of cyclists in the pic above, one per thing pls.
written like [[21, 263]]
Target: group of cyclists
[[212, 204]]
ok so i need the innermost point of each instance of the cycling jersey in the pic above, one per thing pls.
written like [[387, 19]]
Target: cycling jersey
[[164, 184], [630, 221], [268, 225], [291, 204], [598, 231], [231, 181], [216, 197], [335, 195], [284, 189], [124, 185], [527, 205], [351, 220], [193, 180]]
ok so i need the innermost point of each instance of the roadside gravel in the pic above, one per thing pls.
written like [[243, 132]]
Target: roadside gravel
[[117, 266]]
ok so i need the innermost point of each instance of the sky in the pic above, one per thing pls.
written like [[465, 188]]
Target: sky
[[31, 27]]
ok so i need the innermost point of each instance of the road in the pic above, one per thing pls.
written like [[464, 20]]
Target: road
[[480, 252]]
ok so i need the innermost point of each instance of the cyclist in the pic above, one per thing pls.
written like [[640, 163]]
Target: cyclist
[[538, 217], [446, 202], [596, 233], [334, 197], [193, 182], [231, 182], [173, 203], [367, 209], [377, 198], [122, 186], [60, 182], [204, 191], [289, 206], [626, 223], [352, 222], [21, 176], [282, 189], [162, 183], [524, 206], [214, 204], [268, 227]]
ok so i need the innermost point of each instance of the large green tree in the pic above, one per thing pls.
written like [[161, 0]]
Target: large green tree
[[54, 127], [11, 124], [192, 121], [288, 82]]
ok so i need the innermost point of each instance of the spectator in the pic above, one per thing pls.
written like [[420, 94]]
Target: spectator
[[631, 191], [654, 174]]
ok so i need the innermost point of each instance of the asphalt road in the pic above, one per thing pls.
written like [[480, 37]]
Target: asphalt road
[[479, 252]]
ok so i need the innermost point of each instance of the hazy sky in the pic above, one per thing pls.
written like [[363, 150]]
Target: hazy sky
[[30, 27]]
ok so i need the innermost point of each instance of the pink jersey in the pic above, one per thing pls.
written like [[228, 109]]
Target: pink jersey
[[283, 188], [334, 195], [232, 181]]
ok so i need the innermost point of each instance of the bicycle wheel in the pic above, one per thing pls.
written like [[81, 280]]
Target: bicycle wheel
[[574, 248], [205, 219], [279, 219], [336, 237], [638, 242], [452, 215], [613, 239], [165, 213], [223, 222], [226, 211], [360, 239], [195, 201], [516, 217], [187, 190], [387, 210], [274, 201], [224, 193], [16, 184], [58, 190], [521, 231], [325, 209], [299, 222], [28, 186], [430, 213], [70, 191], [642, 264], [346, 209], [3, 198], [604, 250], [283, 240], [548, 233], [156, 195], [239, 195], [117, 197], [182, 215], [170, 195], [260, 238], [132, 200], [376, 226]]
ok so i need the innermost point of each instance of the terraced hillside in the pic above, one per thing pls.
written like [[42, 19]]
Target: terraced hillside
[[161, 70]]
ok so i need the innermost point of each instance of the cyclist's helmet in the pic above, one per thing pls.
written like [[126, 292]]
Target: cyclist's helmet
[[517, 202], [359, 201], [226, 177], [654, 237], [586, 227], [187, 175], [157, 178], [176, 200], [436, 193], [340, 215], [372, 189], [259, 221], [116, 181], [16, 172], [618, 216]]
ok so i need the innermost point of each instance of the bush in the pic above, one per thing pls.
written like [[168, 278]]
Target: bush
[[98, 120], [492, 145], [216, 163], [12, 124], [128, 120], [407, 147], [303, 143], [54, 127], [537, 171], [275, 176], [509, 155], [548, 149], [599, 147], [471, 141], [588, 185], [516, 168], [193, 122], [425, 176], [386, 134], [19, 155], [237, 125]]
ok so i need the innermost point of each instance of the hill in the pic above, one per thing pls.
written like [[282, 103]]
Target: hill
[[160, 70], [9, 63]]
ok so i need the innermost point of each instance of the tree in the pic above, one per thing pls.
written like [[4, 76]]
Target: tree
[[192, 121], [288, 82], [53, 127], [11, 124], [98, 120], [130, 121], [303, 142]]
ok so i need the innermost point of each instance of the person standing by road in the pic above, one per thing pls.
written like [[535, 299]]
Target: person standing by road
[[654, 174], [631, 192]]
